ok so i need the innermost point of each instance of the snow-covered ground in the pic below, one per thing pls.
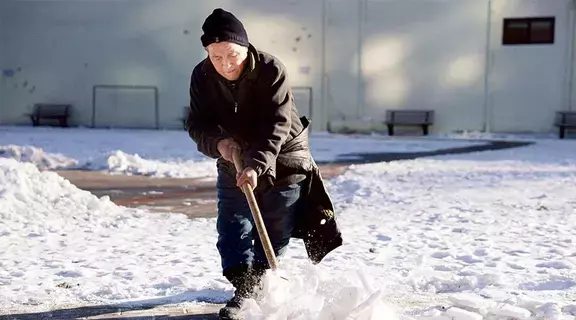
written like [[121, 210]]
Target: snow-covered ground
[[171, 153], [487, 235]]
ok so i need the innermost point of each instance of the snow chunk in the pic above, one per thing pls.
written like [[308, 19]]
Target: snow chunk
[[312, 293], [508, 310], [36, 156], [472, 301], [132, 164], [456, 313], [549, 311]]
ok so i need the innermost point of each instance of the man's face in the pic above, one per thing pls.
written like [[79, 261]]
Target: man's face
[[228, 58]]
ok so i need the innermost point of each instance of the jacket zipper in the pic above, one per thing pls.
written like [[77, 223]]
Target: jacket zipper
[[234, 95]]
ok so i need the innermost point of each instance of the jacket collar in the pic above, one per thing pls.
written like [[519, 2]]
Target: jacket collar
[[250, 69]]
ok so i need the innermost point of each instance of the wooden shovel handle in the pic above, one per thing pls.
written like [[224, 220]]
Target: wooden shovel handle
[[263, 234]]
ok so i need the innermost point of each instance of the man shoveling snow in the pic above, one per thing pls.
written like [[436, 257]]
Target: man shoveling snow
[[241, 101]]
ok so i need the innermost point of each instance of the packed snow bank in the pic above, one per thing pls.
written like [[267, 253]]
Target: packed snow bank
[[132, 164], [479, 135], [114, 162], [63, 245], [36, 156]]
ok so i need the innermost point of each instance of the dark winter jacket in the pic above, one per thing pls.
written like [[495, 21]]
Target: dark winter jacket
[[258, 111]]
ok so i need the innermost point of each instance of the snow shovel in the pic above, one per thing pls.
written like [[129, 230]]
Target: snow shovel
[[263, 234]]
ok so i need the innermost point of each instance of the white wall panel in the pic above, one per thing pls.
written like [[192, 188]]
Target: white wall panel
[[528, 83]]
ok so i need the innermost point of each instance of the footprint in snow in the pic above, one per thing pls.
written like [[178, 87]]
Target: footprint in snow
[[555, 265], [17, 274], [468, 259], [383, 238], [481, 252], [440, 255], [557, 251], [69, 274], [515, 266], [517, 253], [561, 283], [443, 268]]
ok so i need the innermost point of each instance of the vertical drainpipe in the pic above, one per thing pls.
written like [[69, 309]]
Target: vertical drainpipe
[[324, 81], [571, 34], [487, 127], [360, 107]]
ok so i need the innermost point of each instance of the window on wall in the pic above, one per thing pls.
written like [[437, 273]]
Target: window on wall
[[528, 31]]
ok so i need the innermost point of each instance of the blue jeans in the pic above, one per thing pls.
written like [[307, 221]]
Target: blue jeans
[[238, 241]]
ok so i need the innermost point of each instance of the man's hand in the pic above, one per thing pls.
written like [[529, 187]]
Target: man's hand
[[249, 176], [226, 147]]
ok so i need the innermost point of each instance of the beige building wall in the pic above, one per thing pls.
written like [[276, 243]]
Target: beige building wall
[[406, 55], [60, 50], [528, 83], [127, 63]]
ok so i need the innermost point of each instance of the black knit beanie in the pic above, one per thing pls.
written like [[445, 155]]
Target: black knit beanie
[[221, 26]]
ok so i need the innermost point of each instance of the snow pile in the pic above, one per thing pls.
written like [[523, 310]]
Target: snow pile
[[115, 162], [36, 156], [313, 292], [63, 245], [479, 135], [132, 164]]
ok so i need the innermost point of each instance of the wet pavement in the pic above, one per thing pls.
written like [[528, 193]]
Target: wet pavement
[[361, 158], [206, 311], [193, 197]]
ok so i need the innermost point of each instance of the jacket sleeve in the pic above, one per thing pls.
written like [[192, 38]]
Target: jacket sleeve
[[200, 125], [274, 123]]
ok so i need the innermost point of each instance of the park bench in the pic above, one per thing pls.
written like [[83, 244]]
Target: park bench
[[565, 120], [421, 118], [46, 111]]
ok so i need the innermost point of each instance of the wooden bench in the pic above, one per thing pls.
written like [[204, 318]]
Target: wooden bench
[[60, 112], [565, 120], [421, 118]]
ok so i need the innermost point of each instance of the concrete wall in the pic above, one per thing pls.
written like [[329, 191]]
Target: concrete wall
[[60, 49], [571, 86], [358, 58], [407, 55], [527, 83]]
